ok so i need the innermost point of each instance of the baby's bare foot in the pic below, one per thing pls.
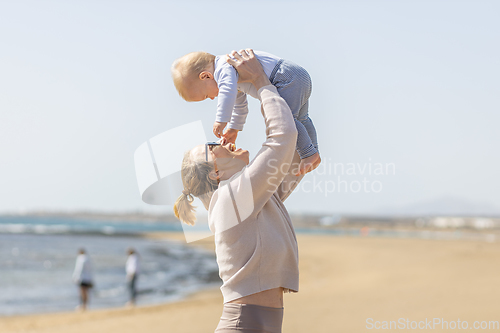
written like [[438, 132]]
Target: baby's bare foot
[[308, 164], [317, 163]]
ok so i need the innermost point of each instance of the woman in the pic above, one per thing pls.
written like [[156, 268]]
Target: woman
[[255, 241]]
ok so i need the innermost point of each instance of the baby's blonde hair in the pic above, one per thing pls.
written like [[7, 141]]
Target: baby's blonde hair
[[187, 68], [196, 180]]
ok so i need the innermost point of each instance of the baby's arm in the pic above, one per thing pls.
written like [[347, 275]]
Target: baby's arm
[[228, 89], [240, 112], [218, 129], [238, 118]]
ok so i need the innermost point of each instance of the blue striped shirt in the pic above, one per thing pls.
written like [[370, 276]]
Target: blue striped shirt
[[232, 105]]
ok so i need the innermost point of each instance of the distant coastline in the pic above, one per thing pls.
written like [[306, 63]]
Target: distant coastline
[[300, 221], [93, 215]]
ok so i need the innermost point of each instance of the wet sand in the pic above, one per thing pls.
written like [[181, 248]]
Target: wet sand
[[344, 281]]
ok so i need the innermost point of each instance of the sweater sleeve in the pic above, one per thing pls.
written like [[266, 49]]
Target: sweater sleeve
[[272, 163], [240, 112], [290, 181], [228, 89], [250, 189]]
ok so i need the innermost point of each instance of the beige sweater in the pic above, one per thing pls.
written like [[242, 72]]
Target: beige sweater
[[255, 241]]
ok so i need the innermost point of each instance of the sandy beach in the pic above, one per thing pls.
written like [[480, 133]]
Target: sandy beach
[[344, 281]]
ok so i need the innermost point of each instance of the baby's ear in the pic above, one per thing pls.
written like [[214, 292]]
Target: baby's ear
[[205, 75]]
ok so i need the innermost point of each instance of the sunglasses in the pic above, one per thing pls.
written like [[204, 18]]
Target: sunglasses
[[209, 146]]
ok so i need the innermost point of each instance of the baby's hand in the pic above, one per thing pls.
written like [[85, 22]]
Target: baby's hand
[[308, 164], [218, 129], [230, 135]]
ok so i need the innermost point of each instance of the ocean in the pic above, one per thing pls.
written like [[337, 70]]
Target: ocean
[[37, 258]]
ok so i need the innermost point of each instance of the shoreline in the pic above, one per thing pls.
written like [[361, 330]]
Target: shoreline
[[487, 235], [344, 281], [168, 276], [41, 321]]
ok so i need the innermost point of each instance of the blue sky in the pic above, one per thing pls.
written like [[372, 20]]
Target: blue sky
[[412, 84]]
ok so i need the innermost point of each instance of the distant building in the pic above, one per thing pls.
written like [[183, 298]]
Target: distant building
[[454, 222], [330, 220]]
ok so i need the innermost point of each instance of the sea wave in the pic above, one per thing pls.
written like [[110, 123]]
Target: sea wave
[[37, 269]]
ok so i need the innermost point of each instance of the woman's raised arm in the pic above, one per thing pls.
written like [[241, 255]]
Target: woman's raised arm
[[272, 163]]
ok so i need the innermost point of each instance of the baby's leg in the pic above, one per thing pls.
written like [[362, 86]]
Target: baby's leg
[[307, 144], [307, 140], [296, 94], [309, 155], [294, 85], [304, 119]]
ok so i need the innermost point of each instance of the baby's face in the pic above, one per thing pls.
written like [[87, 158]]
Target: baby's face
[[202, 89]]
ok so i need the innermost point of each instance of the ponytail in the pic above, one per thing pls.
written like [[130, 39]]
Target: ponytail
[[184, 209], [195, 177]]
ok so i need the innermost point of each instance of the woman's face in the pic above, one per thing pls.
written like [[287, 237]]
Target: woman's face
[[229, 151], [228, 159]]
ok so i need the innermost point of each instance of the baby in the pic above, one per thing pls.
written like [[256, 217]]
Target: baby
[[200, 75]]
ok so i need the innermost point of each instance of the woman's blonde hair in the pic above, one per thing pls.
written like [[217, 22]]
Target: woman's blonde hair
[[197, 182], [188, 67]]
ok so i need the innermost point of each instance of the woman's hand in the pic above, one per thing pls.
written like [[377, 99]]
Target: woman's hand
[[249, 68]]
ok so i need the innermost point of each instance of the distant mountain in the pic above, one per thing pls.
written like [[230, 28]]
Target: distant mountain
[[450, 206]]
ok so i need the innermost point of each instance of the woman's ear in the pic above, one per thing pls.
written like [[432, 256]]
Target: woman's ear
[[205, 75], [213, 175]]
